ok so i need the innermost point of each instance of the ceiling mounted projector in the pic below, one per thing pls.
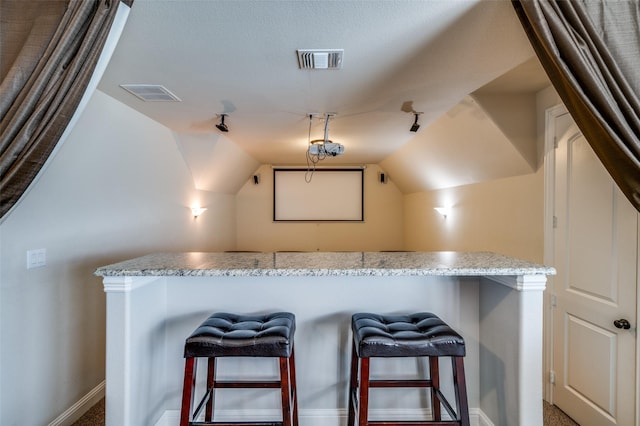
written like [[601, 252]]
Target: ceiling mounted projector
[[331, 149], [321, 148]]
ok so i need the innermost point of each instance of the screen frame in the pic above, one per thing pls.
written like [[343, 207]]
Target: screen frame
[[338, 213]]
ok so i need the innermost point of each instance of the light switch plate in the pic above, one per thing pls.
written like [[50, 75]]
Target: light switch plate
[[36, 258]]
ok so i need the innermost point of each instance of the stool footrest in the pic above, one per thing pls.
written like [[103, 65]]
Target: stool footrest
[[412, 422], [400, 384], [235, 424], [246, 384]]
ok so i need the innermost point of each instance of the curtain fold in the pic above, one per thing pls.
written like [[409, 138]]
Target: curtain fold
[[48, 52], [591, 53]]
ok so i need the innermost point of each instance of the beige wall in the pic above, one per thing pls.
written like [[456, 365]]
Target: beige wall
[[503, 216], [381, 230], [117, 188]]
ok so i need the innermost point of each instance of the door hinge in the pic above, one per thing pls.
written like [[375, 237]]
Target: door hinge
[[552, 377], [553, 300], [555, 142], [555, 222]]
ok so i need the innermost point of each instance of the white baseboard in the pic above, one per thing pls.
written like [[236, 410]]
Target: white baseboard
[[76, 411], [483, 420], [326, 417]]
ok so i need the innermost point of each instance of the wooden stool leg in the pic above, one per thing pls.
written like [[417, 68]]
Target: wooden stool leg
[[284, 391], [294, 387], [188, 385], [211, 387], [434, 372], [353, 385], [460, 387], [363, 409]]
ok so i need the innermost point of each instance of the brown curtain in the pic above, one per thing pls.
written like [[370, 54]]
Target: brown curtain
[[591, 52], [48, 51]]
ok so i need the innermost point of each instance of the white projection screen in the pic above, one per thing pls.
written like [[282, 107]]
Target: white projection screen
[[331, 195]]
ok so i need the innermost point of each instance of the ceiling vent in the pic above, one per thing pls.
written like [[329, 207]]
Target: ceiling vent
[[320, 59], [151, 92]]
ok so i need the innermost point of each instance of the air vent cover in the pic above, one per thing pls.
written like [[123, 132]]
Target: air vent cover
[[320, 59], [151, 92]]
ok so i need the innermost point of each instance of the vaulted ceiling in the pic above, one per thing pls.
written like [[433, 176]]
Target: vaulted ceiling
[[466, 65]]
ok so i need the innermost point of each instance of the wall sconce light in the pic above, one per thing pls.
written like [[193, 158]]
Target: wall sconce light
[[197, 211], [444, 211]]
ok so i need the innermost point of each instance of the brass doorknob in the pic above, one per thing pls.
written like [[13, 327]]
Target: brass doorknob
[[622, 323]]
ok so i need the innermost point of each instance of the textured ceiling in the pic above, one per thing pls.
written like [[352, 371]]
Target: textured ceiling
[[239, 58]]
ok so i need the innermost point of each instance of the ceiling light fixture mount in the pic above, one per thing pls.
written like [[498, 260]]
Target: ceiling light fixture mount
[[415, 126], [222, 127]]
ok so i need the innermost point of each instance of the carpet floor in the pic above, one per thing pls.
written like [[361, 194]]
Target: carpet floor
[[93, 417]]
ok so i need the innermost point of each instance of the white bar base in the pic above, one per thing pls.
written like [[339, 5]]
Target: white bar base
[[323, 417], [149, 317]]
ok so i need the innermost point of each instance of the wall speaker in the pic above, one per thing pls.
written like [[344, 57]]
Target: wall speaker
[[383, 178], [256, 179]]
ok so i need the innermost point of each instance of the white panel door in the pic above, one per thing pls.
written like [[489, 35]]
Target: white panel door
[[595, 254]]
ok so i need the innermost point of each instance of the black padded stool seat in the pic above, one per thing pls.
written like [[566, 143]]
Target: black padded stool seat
[[224, 334], [231, 335], [416, 335], [422, 334]]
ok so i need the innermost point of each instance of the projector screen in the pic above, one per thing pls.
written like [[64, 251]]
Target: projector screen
[[330, 195]]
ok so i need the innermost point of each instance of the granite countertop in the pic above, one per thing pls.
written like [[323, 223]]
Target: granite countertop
[[199, 264]]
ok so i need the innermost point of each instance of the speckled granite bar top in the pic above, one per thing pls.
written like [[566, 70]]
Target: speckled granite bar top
[[323, 264]]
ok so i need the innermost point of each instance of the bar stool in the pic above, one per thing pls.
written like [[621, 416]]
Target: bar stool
[[231, 335], [416, 335]]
